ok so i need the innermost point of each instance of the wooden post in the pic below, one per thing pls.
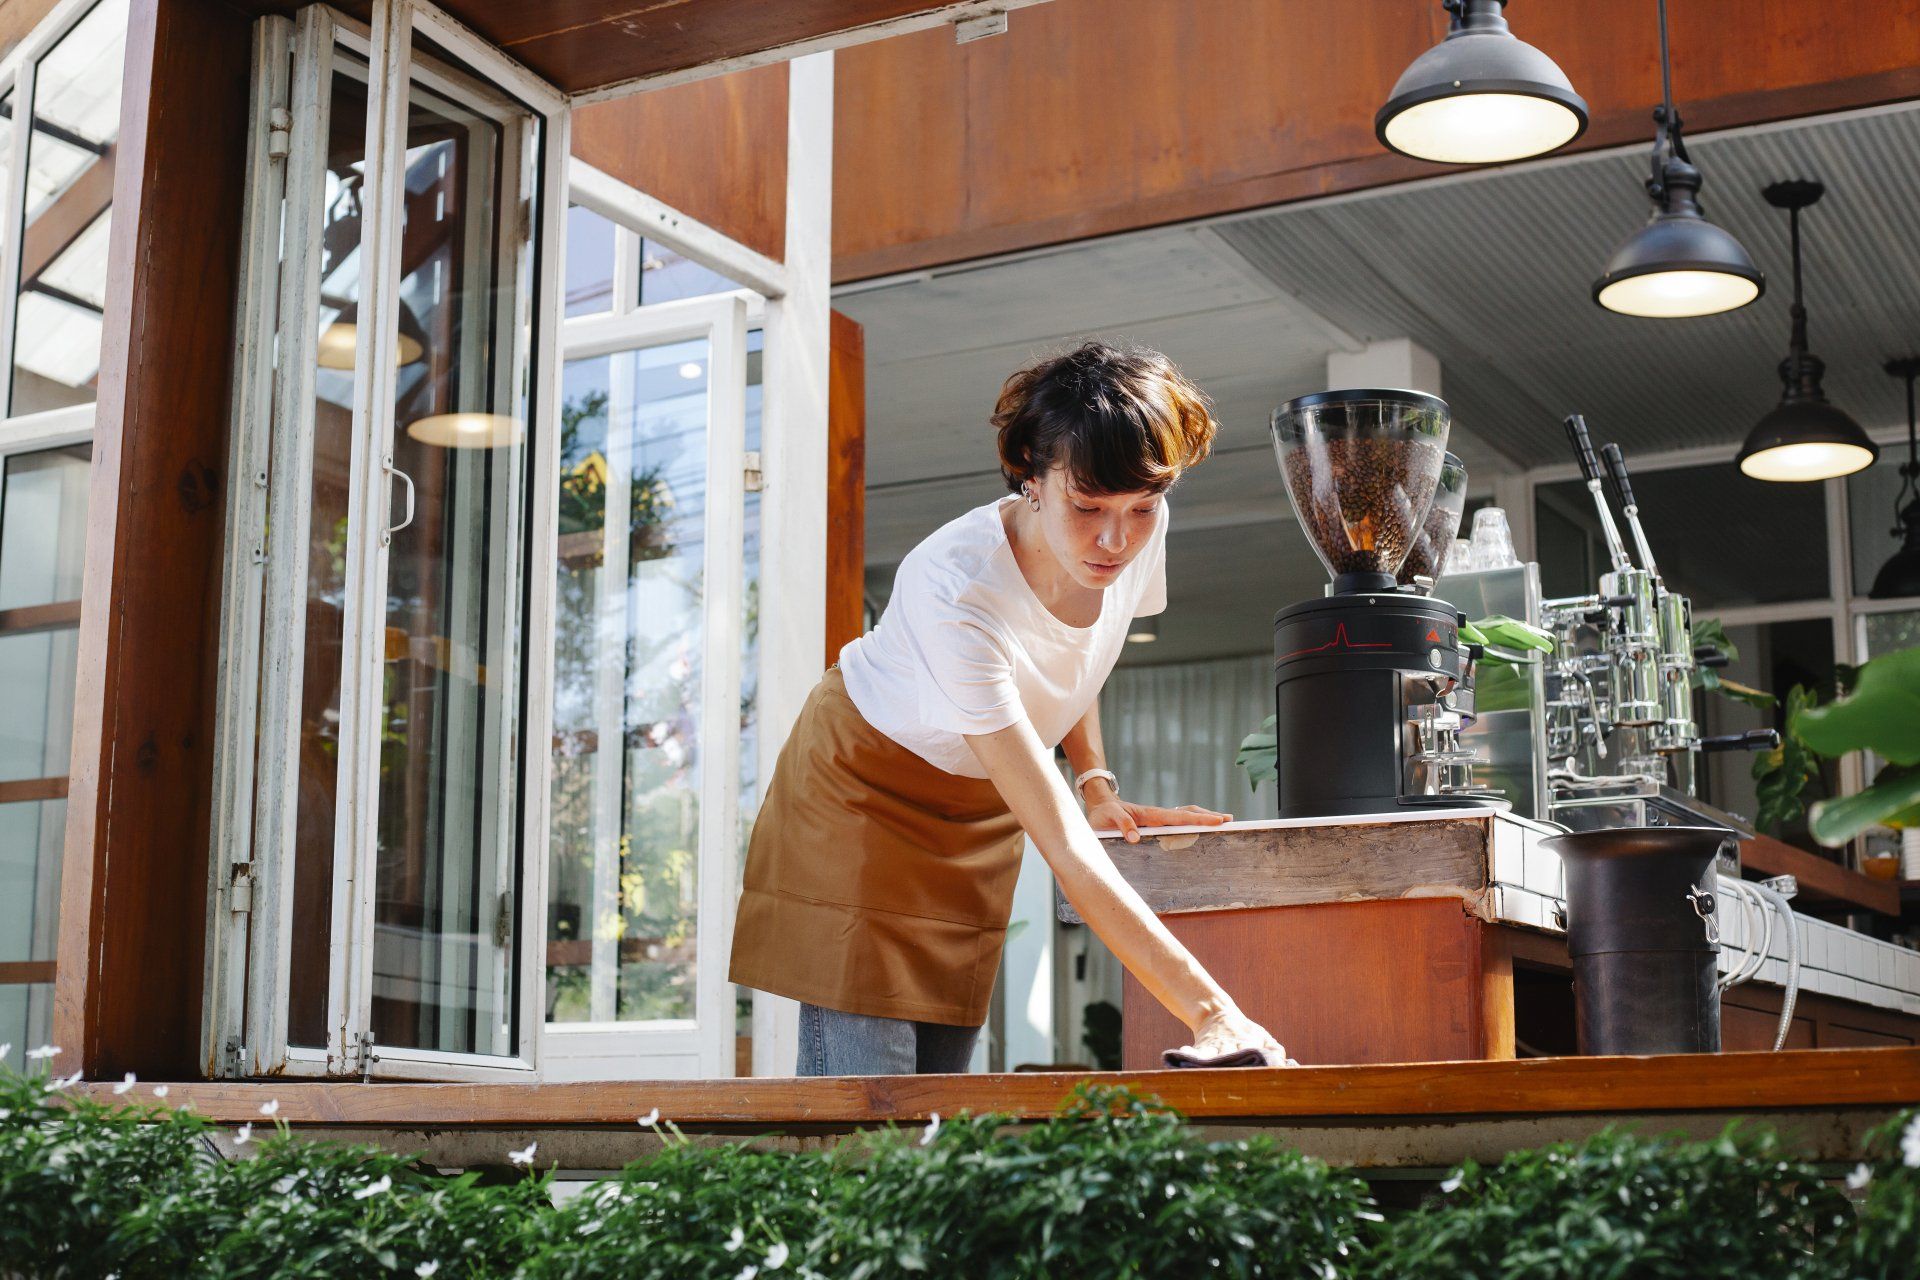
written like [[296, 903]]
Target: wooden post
[[133, 895], [846, 483]]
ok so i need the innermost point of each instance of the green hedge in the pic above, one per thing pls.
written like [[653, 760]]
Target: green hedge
[[1113, 1186]]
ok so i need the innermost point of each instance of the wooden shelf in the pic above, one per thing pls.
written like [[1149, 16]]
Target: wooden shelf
[[1821, 881]]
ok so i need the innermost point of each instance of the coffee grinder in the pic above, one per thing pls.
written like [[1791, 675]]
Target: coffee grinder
[[1365, 678]]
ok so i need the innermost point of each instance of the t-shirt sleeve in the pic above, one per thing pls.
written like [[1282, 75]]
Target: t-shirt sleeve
[[1153, 595], [965, 678]]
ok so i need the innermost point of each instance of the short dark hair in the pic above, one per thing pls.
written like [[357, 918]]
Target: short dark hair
[[1118, 421]]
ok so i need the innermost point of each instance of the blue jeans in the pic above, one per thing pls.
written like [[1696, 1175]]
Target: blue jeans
[[853, 1044]]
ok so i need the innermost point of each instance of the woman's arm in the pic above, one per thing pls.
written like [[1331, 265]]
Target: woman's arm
[[1018, 764], [1105, 808]]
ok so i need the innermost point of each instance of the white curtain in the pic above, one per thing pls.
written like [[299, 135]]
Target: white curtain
[[1172, 732]]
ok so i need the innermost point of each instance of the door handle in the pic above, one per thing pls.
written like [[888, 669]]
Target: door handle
[[386, 465]]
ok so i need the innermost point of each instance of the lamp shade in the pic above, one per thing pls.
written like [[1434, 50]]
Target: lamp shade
[[1899, 578], [340, 341], [468, 430], [1480, 96], [1143, 630], [1804, 437], [1678, 264]]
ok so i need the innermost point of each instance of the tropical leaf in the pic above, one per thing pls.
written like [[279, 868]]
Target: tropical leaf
[[1259, 754], [1881, 714], [1892, 801]]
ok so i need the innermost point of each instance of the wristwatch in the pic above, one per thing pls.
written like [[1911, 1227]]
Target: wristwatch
[[1080, 782]]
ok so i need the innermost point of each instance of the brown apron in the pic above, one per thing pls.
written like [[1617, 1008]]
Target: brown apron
[[876, 883]]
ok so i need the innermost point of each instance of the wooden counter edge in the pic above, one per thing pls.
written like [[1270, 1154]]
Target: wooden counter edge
[[1734, 1082]]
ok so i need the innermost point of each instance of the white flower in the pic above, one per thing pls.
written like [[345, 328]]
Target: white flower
[[426, 1269], [1859, 1178], [5, 1112], [243, 1135], [372, 1189], [933, 1127], [1910, 1145], [1451, 1185], [523, 1157], [44, 1051], [65, 1082], [160, 1091], [6, 1048], [650, 1119], [124, 1085], [735, 1240], [777, 1256], [747, 1273], [270, 1107]]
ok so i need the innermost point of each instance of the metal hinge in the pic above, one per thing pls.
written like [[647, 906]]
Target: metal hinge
[[503, 920], [237, 1056], [240, 889], [279, 133], [755, 479], [363, 1055]]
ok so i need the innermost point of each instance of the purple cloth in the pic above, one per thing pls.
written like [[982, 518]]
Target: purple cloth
[[1177, 1058]]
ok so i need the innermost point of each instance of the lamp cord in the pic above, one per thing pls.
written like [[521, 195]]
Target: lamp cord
[[1909, 474]]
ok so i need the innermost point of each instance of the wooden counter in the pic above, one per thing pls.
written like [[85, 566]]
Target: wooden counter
[[1400, 939]]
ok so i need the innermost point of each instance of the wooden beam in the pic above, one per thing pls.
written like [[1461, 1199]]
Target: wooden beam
[[846, 482], [17, 972], [39, 617], [1727, 1082], [72, 212], [127, 995], [27, 790], [1820, 880]]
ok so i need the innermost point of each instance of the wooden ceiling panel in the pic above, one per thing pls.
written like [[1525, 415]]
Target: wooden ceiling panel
[[581, 45]]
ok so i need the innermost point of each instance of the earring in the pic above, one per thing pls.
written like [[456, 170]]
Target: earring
[[1033, 498]]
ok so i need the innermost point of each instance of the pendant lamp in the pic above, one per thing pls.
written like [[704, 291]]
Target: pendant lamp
[[1678, 264], [1804, 437], [340, 341], [1900, 577], [1480, 96]]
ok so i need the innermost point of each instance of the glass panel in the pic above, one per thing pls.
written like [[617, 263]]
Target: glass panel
[[629, 622], [749, 664], [445, 924], [1720, 537], [665, 276], [1888, 632], [330, 499], [590, 240], [1873, 515], [63, 258], [31, 835], [26, 1020], [1774, 657], [43, 519]]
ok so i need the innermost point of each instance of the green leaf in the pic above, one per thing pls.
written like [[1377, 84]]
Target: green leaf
[[1499, 632], [1782, 774], [1881, 715], [1713, 682], [1892, 801], [1259, 754]]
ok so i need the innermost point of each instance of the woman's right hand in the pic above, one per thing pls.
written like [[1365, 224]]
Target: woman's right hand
[[1231, 1031]]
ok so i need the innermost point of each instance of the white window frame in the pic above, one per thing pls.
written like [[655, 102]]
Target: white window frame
[[250, 895], [701, 1046]]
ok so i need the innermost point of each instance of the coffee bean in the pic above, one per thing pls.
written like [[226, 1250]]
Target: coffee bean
[[1427, 557], [1358, 498]]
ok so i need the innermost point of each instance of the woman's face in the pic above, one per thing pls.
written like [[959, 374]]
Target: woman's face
[[1094, 536]]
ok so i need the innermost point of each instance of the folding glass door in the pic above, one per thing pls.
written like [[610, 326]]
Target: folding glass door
[[382, 773], [647, 692]]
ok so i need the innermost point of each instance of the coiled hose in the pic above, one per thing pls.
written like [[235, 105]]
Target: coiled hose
[[1762, 902]]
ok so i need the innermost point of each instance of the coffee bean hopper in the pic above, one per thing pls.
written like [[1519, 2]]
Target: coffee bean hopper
[[1371, 682]]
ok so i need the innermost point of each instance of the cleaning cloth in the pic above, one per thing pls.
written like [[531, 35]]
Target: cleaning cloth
[[1238, 1058]]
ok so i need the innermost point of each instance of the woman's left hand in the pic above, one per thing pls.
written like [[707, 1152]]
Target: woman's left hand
[[1115, 814]]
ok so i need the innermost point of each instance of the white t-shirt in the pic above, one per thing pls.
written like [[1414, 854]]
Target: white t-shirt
[[965, 647]]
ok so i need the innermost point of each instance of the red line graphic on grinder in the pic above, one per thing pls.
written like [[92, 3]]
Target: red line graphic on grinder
[[1339, 641]]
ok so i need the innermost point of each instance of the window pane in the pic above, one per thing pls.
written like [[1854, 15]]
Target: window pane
[[1874, 517], [1774, 657], [31, 835], [1888, 632], [43, 516], [626, 818], [445, 918], [63, 251], [329, 500], [590, 240], [26, 1020], [665, 276], [1720, 537]]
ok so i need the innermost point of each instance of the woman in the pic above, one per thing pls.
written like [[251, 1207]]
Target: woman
[[880, 876]]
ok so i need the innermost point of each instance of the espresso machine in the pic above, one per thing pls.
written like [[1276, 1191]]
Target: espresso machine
[[1621, 737], [1372, 685]]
